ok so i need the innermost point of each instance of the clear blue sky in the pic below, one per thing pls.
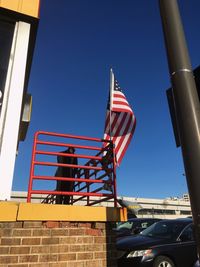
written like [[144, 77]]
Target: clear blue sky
[[77, 43]]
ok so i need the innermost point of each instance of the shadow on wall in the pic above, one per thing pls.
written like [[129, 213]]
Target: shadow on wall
[[111, 245]]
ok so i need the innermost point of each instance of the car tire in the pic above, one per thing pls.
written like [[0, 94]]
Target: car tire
[[163, 261]]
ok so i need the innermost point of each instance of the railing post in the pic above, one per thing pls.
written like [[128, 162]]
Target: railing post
[[32, 168], [114, 177]]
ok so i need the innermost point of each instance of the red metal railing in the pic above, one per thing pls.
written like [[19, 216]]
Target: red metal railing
[[95, 179]]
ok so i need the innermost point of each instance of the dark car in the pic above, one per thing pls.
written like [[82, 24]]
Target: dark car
[[134, 226], [167, 243]]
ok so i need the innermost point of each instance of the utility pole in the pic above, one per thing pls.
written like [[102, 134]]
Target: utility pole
[[187, 103]]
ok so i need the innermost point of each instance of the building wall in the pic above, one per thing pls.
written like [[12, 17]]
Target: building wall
[[168, 208], [57, 244]]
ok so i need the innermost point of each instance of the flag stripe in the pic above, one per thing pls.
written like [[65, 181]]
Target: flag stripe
[[123, 142]]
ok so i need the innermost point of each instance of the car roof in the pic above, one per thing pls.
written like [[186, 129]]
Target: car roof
[[187, 220], [142, 219]]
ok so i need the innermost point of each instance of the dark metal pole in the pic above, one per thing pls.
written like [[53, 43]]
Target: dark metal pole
[[186, 103]]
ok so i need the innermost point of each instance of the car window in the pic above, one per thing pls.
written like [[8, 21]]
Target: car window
[[187, 234], [145, 224], [164, 229], [126, 225]]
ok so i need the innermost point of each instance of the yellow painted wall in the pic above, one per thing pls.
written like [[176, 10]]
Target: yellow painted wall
[[27, 7], [12, 211]]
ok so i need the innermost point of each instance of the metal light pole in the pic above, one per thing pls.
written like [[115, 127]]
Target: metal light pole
[[186, 103]]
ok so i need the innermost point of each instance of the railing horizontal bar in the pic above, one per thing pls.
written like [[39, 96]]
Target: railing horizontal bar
[[66, 155], [39, 177], [73, 136], [67, 145], [66, 165]]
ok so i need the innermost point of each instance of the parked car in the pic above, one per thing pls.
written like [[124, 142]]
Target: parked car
[[167, 243], [134, 226]]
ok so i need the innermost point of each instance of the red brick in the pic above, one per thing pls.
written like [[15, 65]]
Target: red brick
[[106, 263], [59, 264], [58, 244], [8, 259], [77, 264], [28, 258], [41, 232], [21, 232], [84, 225], [19, 250], [32, 224], [7, 232], [59, 248], [75, 232], [84, 256], [40, 249], [11, 225], [94, 247], [99, 239], [50, 240], [67, 257], [94, 263], [100, 255], [48, 258], [65, 224], [76, 248], [4, 250], [73, 225], [31, 241], [51, 224], [67, 240], [37, 265], [93, 232], [85, 239], [10, 241], [59, 232]]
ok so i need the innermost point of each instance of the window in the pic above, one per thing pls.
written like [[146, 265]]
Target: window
[[187, 234], [156, 211], [186, 212]]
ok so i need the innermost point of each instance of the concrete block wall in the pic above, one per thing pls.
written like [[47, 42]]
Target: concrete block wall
[[57, 244]]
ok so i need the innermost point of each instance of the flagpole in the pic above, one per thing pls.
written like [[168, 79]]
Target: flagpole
[[111, 96], [112, 81]]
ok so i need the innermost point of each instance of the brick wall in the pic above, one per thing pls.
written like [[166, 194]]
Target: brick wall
[[57, 244]]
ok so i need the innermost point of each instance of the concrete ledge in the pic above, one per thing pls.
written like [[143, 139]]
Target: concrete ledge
[[27, 7], [8, 211], [12, 211]]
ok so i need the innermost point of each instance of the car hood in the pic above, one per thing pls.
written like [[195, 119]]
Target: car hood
[[140, 242]]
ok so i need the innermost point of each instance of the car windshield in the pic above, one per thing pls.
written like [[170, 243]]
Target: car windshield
[[126, 225], [164, 229]]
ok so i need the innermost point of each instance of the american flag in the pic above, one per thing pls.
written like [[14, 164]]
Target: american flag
[[120, 120]]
